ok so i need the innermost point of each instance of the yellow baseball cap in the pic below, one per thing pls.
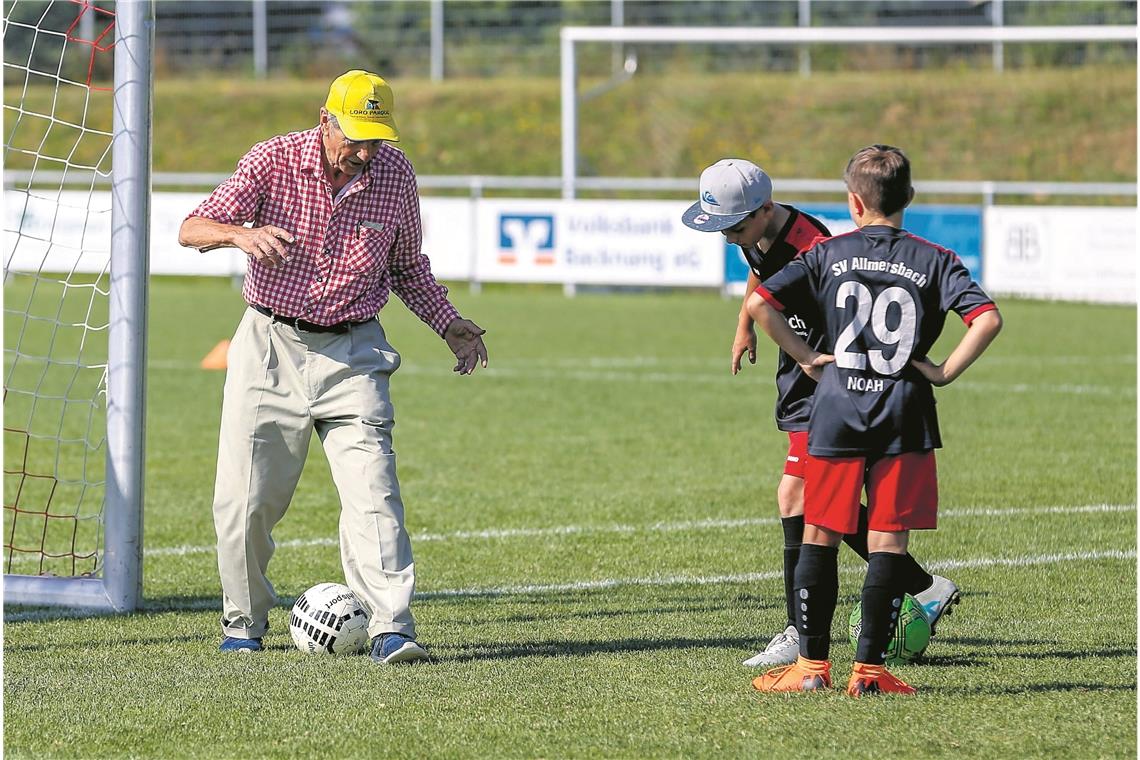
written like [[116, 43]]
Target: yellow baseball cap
[[362, 104]]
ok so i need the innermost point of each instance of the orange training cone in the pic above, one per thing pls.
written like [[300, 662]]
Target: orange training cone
[[216, 359]]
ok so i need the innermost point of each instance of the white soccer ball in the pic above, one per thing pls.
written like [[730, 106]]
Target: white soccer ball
[[329, 619]]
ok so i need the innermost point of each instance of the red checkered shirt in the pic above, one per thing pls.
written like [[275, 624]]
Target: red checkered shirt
[[347, 254]]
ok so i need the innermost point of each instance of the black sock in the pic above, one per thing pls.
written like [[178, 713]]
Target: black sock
[[882, 600], [858, 540], [793, 539], [916, 580], [817, 586]]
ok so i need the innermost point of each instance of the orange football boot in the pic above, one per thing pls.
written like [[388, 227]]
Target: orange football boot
[[875, 679], [801, 675]]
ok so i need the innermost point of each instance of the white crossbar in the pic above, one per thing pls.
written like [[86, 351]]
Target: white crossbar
[[853, 35]]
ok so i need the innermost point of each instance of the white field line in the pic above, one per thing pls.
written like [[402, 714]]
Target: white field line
[[591, 372], [714, 580], [669, 362], [1064, 389], [662, 527], [1016, 561]]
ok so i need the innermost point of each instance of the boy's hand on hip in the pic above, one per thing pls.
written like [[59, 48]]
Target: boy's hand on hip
[[813, 368], [931, 371]]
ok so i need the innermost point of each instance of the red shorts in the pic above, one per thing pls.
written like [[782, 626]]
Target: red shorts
[[902, 492], [797, 454]]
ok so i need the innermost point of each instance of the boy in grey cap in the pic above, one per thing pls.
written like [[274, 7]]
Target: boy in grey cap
[[736, 200]]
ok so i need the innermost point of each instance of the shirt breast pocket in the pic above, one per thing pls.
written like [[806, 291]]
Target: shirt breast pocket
[[368, 249]]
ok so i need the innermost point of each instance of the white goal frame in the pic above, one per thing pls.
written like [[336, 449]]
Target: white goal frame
[[119, 588], [906, 35]]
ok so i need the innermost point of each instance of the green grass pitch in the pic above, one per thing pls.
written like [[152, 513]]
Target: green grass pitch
[[597, 550]]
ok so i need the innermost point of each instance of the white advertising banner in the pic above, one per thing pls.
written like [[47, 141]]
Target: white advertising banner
[[594, 242], [167, 210], [449, 236], [1067, 253], [46, 231], [73, 234], [70, 231]]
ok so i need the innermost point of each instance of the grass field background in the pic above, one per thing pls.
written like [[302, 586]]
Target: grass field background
[[597, 549], [1045, 125]]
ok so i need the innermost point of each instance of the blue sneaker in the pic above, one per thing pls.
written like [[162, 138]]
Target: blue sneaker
[[232, 644], [395, 648]]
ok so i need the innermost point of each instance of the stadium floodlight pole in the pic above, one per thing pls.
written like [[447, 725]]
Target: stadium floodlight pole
[[901, 35], [997, 11], [260, 40], [436, 40], [803, 17], [569, 116]]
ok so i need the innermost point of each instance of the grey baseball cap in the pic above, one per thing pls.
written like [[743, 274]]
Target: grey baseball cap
[[731, 189]]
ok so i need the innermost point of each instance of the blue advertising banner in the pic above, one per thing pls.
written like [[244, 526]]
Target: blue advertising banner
[[958, 228]]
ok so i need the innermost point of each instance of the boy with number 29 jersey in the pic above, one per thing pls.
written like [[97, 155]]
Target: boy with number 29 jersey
[[883, 295]]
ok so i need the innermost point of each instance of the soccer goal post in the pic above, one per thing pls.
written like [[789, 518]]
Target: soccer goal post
[[75, 301], [570, 36]]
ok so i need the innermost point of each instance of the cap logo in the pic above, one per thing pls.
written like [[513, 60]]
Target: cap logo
[[708, 198], [372, 109]]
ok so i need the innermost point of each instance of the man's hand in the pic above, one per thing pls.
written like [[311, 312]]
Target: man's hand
[[813, 368], [465, 339], [745, 341], [266, 244]]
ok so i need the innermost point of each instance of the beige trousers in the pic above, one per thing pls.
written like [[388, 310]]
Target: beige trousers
[[282, 383]]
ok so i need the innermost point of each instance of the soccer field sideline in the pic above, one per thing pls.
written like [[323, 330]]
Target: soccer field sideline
[[670, 527], [1023, 560], [591, 374], [1017, 560], [659, 527]]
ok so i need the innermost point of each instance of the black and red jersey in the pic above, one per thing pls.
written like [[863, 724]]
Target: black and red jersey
[[793, 388], [883, 295]]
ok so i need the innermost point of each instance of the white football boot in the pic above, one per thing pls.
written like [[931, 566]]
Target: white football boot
[[938, 600], [783, 649]]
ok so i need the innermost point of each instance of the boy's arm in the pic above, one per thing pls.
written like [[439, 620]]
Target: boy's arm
[[745, 339], [778, 329], [981, 332]]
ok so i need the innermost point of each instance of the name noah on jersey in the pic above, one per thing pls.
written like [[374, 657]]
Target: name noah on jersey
[[865, 384]]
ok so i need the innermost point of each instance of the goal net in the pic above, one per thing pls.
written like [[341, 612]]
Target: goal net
[[76, 173]]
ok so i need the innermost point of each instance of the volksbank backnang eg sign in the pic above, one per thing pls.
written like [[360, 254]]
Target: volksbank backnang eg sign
[[958, 228], [526, 238], [602, 242]]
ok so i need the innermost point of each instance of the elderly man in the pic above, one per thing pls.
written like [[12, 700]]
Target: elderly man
[[333, 227]]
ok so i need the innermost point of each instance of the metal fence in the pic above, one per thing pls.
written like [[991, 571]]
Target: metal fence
[[486, 38], [494, 38]]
